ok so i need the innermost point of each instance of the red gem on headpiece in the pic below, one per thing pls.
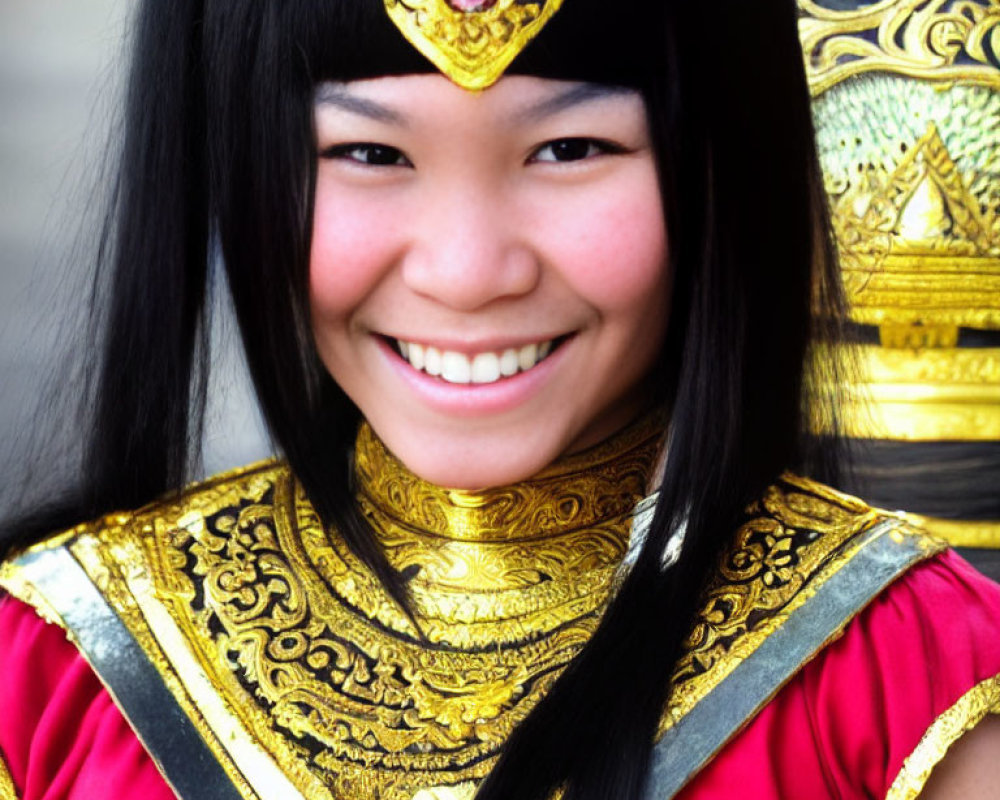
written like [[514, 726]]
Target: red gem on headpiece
[[471, 5]]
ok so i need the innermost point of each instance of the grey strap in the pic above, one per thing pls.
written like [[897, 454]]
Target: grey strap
[[686, 747], [165, 730]]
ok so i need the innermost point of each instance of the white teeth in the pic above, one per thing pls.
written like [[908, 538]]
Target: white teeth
[[508, 363], [481, 368], [455, 368], [527, 356], [415, 353], [485, 368], [432, 361]]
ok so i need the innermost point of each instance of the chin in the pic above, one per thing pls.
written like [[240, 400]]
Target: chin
[[473, 464]]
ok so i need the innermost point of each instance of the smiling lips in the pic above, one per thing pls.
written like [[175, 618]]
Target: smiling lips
[[488, 367]]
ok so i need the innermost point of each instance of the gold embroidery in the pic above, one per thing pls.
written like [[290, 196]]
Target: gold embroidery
[[969, 711], [313, 657], [7, 790], [464, 791], [486, 567], [272, 636], [472, 47], [795, 538]]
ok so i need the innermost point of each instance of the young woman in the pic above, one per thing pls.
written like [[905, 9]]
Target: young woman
[[573, 279]]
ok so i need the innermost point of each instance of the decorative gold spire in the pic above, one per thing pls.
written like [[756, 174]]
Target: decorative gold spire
[[471, 41]]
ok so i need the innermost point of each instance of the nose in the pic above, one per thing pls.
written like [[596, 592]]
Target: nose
[[466, 252]]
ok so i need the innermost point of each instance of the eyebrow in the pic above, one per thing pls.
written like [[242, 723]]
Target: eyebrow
[[332, 94], [335, 94], [575, 95]]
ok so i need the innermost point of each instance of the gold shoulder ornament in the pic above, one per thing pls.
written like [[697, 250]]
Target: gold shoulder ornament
[[471, 41], [305, 680]]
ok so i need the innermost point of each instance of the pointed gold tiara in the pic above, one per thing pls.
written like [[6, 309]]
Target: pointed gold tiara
[[471, 41]]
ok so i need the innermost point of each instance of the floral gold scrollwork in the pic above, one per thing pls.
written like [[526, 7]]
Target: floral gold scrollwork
[[339, 683], [792, 539], [238, 593], [941, 40], [471, 43]]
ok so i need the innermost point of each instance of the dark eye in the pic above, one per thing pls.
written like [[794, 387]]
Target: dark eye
[[564, 150], [373, 155]]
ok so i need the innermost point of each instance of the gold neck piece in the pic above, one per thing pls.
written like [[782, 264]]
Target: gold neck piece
[[519, 548]]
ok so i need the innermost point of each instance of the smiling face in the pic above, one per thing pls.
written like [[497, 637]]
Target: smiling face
[[488, 276]]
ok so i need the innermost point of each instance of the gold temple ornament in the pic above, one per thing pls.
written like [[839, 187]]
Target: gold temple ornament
[[940, 40], [471, 41], [906, 101]]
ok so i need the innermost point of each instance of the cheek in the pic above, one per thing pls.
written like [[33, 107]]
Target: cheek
[[350, 251], [613, 249]]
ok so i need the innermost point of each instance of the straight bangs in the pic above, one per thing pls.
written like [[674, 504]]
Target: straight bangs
[[262, 61], [586, 40], [740, 184]]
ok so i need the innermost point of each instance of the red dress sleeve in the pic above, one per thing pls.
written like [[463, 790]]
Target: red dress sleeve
[[61, 735], [846, 723]]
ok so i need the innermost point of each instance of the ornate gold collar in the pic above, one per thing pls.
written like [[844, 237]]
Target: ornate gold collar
[[302, 675], [304, 679], [493, 566]]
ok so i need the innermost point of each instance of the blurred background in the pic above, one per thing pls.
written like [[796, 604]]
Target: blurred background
[[60, 65]]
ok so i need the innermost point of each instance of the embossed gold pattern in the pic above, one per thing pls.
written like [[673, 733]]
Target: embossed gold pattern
[[969, 711], [308, 659], [918, 229], [941, 40], [793, 539], [318, 663], [472, 47]]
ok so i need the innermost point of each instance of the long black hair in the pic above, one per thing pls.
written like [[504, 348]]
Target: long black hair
[[219, 159]]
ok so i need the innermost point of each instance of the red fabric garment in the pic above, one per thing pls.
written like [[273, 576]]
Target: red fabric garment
[[840, 729], [61, 735]]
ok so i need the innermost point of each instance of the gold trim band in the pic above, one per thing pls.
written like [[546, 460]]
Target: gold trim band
[[7, 789], [961, 532], [932, 394], [969, 711], [881, 554]]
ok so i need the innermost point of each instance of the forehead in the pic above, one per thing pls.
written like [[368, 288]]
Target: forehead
[[400, 100]]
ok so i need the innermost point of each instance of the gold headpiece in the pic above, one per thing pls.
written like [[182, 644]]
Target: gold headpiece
[[907, 108], [471, 41]]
